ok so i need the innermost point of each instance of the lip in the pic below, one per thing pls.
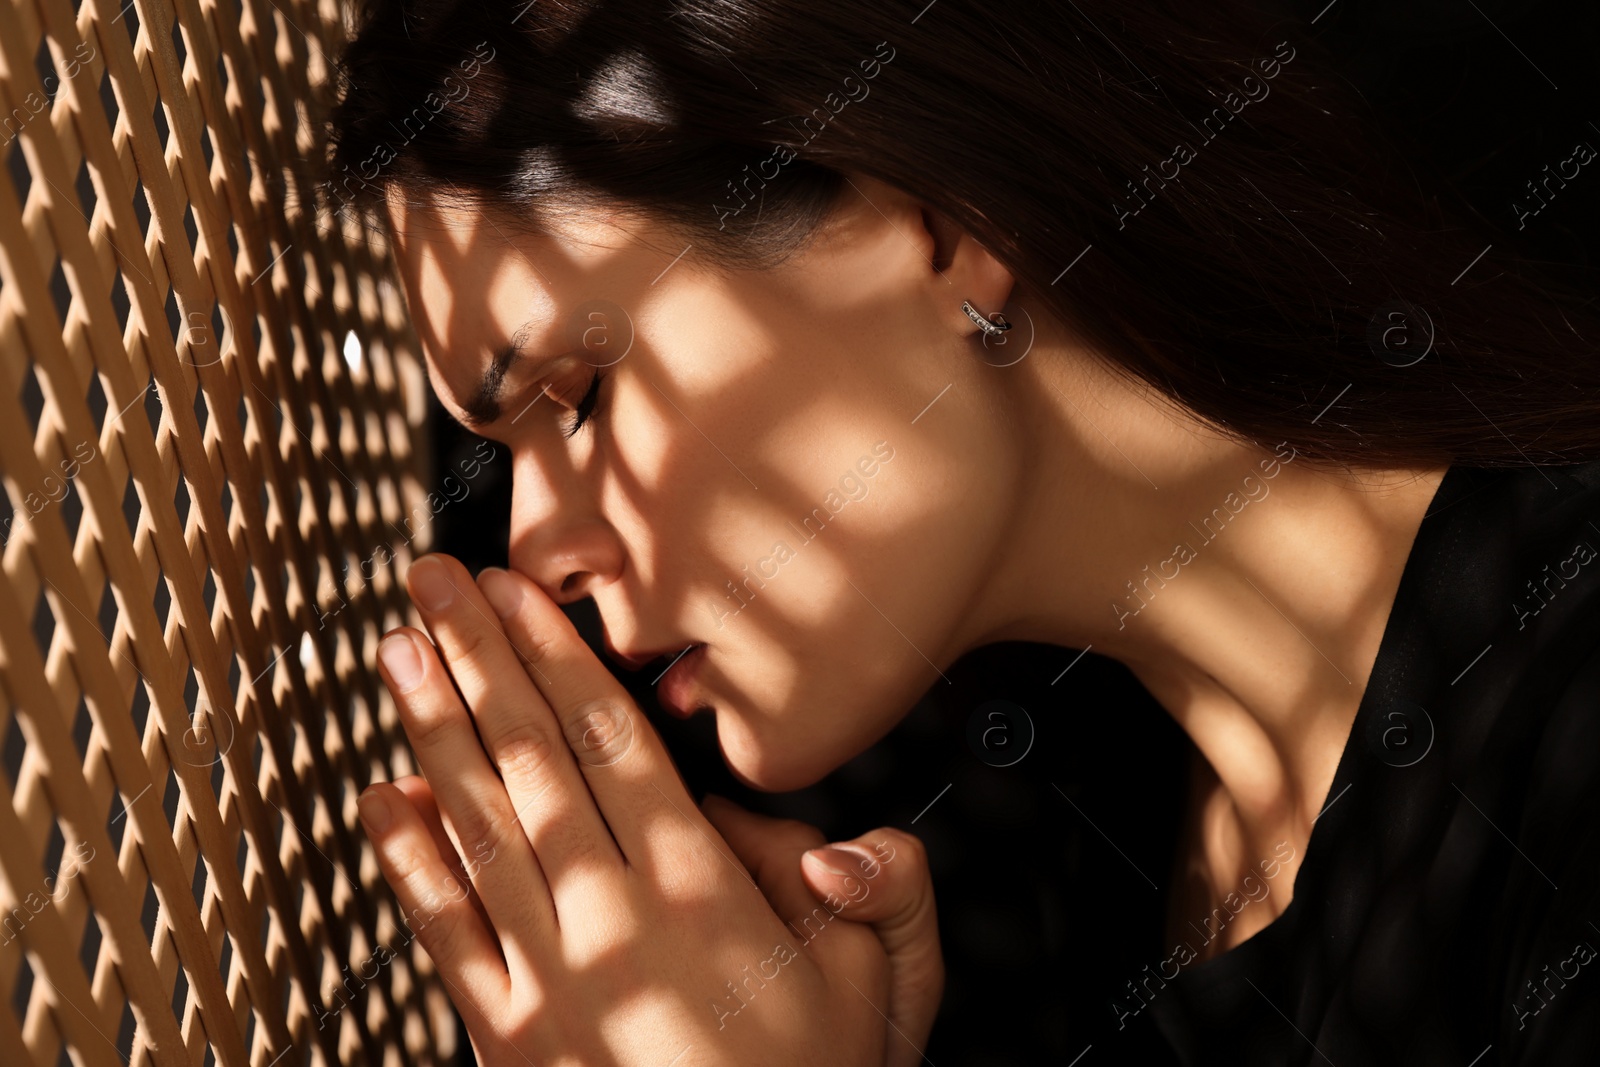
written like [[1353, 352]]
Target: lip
[[675, 689]]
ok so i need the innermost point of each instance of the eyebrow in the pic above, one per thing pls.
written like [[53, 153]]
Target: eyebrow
[[484, 407]]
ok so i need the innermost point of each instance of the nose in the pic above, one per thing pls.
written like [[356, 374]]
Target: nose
[[558, 537]]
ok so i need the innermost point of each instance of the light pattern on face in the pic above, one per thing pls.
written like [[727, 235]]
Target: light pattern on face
[[758, 468]]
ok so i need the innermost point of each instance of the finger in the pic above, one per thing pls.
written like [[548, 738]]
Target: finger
[[417, 791], [433, 900], [472, 800], [633, 781], [518, 729], [770, 850], [900, 907]]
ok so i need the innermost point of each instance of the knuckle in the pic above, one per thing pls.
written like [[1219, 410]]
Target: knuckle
[[443, 930], [481, 831], [430, 723], [409, 864], [600, 732], [533, 648], [892, 846], [525, 753], [469, 642]]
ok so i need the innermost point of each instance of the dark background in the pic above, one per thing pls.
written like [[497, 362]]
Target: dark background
[[1044, 916]]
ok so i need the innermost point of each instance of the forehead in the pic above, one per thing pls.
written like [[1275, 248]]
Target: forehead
[[464, 272]]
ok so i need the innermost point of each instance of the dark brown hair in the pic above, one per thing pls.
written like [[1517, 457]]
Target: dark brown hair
[[1186, 183]]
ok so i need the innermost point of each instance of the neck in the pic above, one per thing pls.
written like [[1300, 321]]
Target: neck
[[1246, 589]]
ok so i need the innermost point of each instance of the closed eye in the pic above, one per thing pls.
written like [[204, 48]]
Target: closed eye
[[585, 407]]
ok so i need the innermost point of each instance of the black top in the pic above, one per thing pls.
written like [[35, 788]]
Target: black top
[[1447, 909]]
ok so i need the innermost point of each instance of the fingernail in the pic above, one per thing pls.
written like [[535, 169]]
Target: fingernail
[[838, 861], [374, 811], [400, 659], [430, 584], [501, 591]]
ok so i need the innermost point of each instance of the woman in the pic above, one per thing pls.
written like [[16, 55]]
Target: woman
[[831, 341]]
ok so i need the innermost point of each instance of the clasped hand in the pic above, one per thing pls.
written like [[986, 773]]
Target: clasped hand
[[578, 904]]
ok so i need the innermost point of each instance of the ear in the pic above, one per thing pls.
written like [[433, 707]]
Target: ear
[[962, 270]]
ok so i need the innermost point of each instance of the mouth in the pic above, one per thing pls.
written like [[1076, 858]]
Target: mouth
[[674, 679]]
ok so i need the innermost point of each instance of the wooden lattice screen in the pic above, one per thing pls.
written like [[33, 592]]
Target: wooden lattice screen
[[212, 441]]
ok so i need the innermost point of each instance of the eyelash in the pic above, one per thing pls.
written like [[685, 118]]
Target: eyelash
[[585, 407]]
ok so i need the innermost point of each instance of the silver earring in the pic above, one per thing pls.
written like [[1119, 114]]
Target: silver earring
[[993, 327]]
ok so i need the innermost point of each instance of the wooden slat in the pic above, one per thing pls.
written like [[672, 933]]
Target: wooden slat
[[285, 723]]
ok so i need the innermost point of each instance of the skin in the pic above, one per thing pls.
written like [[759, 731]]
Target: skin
[[1027, 487]]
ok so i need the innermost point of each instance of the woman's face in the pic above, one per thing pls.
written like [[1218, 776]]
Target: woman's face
[[808, 470]]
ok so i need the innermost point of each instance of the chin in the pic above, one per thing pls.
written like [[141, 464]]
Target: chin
[[769, 768]]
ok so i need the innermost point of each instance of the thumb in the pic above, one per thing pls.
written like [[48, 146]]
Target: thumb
[[883, 879]]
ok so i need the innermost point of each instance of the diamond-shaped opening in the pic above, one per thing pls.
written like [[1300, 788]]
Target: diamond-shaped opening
[[130, 505], [169, 801], [180, 990], [125, 1029], [197, 708], [139, 710], [87, 197], [108, 613], [163, 601], [108, 99], [116, 817], [197, 888], [241, 849], [152, 407], [44, 624], [32, 396], [44, 68], [130, 18], [9, 518], [16, 745], [220, 331], [60, 292], [97, 401], [151, 909], [190, 229], [120, 305], [208, 152], [181, 502], [202, 412], [24, 987], [174, 316], [141, 208], [158, 115], [89, 951], [233, 242], [16, 162], [58, 486], [209, 591], [82, 726], [55, 845]]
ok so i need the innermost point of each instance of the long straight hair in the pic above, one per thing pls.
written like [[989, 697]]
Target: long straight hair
[[1185, 183]]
